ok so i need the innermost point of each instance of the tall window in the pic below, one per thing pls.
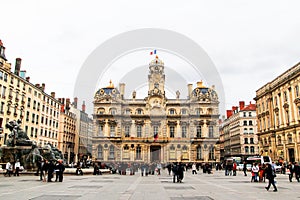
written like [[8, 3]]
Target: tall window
[[246, 149], [3, 91], [139, 131], [297, 90], [138, 153], [244, 114], [183, 131], [127, 131], [199, 153], [252, 149], [111, 152], [245, 131], [245, 123], [245, 140], [250, 123], [101, 130], [198, 111], [112, 130], [251, 141], [199, 131], [211, 131], [172, 131], [251, 131], [100, 152], [155, 131]]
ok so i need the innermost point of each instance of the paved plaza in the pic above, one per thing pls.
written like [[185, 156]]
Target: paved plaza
[[195, 187]]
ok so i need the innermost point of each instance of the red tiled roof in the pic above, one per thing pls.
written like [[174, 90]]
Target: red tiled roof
[[249, 107]]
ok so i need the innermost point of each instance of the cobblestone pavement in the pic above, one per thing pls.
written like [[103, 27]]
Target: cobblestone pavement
[[194, 187]]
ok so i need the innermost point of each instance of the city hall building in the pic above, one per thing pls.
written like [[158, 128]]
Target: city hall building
[[155, 128]]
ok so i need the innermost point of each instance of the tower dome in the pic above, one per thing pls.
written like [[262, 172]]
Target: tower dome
[[156, 62]]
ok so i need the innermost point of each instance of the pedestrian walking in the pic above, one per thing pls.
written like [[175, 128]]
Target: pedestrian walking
[[290, 168], [234, 167], [297, 171], [245, 168], [9, 169], [270, 173], [254, 171], [17, 167], [194, 168], [61, 168]]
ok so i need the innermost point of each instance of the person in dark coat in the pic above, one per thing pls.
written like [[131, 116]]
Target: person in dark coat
[[175, 172], [270, 173], [44, 171], [290, 167], [297, 171], [180, 172], [60, 170], [51, 168]]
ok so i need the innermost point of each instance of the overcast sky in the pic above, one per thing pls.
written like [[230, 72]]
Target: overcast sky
[[250, 42]]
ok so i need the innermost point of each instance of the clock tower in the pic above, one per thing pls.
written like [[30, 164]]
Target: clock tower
[[156, 78]]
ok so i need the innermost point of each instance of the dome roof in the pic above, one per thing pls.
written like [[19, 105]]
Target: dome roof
[[156, 61], [110, 89]]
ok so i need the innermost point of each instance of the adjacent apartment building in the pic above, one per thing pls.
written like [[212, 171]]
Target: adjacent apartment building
[[278, 116], [239, 132]]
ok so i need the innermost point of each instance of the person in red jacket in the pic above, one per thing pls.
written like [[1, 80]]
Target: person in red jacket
[[234, 167]]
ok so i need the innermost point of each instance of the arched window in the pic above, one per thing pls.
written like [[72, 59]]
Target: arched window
[[245, 131], [111, 152], [101, 111], [252, 149], [183, 131], [199, 153], [100, 152], [246, 149]]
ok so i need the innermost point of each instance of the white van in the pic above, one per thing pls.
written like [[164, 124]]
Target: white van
[[259, 159]]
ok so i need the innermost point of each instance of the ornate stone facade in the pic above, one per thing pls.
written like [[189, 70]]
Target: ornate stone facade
[[155, 128], [278, 116]]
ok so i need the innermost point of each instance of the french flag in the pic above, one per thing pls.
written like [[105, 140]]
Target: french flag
[[153, 52]]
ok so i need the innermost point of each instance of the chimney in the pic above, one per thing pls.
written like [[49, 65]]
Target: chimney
[[62, 108], [122, 89], [18, 66], [28, 78], [228, 113], [2, 51], [83, 107], [53, 94], [68, 103], [37, 85], [43, 86], [242, 105], [190, 90], [75, 102]]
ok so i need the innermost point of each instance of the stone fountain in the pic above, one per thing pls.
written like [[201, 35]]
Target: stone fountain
[[19, 146]]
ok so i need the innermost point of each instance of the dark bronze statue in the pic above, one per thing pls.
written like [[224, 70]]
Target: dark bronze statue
[[17, 137]]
